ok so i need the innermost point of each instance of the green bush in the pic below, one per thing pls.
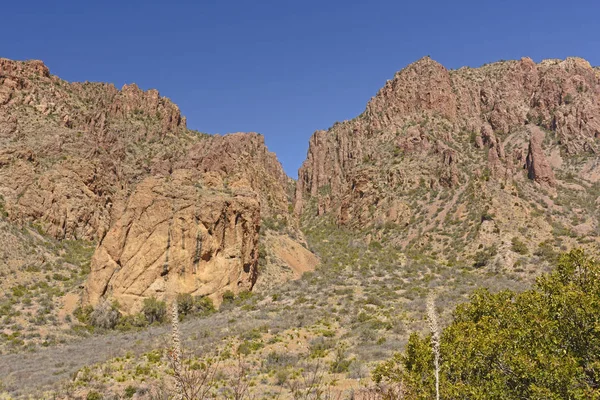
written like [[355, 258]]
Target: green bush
[[93, 395], [249, 346], [185, 303], [130, 391], [518, 246], [195, 305], [540, 344], [129, 322], [154, 310], [203, 305], [83, 314], [482, 257], [340, 364], [228, 296]]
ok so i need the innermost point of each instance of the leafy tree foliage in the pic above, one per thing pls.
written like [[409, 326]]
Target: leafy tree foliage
[[194, 305], [540, 344], [154, 310]]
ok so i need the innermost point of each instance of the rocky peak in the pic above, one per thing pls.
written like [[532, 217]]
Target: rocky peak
[[91, 107], [423, 86], [24, 68], [430, 131], [131, 100]]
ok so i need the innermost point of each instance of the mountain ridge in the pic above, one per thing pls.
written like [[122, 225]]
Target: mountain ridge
[[74, 155], [438, 131], [450, 180]]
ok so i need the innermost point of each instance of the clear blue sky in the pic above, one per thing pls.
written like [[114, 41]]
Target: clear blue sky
[[284, 68]]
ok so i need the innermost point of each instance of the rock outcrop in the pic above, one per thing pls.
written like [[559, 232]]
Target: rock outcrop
[[174, 237], [537, 166]]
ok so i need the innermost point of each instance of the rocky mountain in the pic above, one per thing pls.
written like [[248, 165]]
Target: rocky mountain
[[448, 181], [166, 205], [493, 162]]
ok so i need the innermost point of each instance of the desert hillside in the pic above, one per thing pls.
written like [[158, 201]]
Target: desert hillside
[[489, 165], [148, 206]]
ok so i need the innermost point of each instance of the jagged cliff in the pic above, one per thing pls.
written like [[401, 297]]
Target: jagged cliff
[[88, 161], [508, 143]]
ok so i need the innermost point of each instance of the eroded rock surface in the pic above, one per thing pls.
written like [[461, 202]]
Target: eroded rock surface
[[174, 237], [537, 165]]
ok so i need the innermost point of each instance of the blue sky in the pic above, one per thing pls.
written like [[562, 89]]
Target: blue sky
[[284, 68]]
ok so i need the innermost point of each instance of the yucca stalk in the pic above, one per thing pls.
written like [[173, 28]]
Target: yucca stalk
[[435, 341], [175, 352]]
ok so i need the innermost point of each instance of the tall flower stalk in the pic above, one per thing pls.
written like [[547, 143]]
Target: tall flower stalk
[[435, 341], [175, 353]]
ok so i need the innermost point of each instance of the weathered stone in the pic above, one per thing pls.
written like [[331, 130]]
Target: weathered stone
[[536, 163], [173, 237]]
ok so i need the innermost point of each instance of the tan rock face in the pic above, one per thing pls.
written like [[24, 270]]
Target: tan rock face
[[285, 259], [173, 237]]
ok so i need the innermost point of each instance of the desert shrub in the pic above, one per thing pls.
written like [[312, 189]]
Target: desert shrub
[[262, 254], [340, 363], [129, 322], [154, 310], [482, 257], [282, 376], [249, 346], [194, 305], [540, 344], [319, 347], [228, 296], [203, 305], [518, 246], [93, 395], [78, 252], [154, 356], [375, 245], [185, 303], [568, 99], [277, 361], [3, 212], [105, 315], [546, 251], [83, 314], [487, 216], [6, 309], [130, 391]]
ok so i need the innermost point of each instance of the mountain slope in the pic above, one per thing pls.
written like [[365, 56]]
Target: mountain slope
[[86, 161], [465, 164]]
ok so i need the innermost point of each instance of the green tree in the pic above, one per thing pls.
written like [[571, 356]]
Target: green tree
[[154, 310], [540, 344]]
